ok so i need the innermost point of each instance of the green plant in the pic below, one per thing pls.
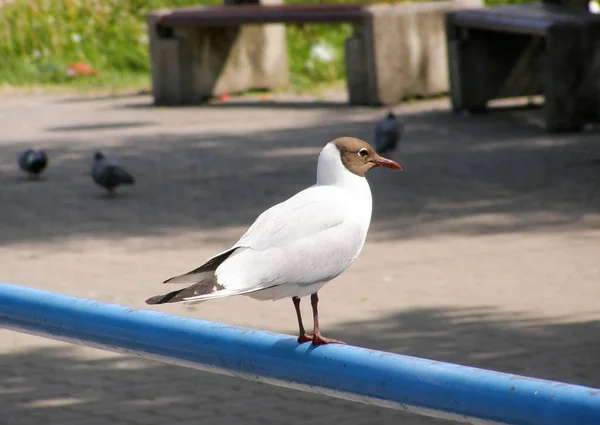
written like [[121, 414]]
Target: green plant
[[39, 38]]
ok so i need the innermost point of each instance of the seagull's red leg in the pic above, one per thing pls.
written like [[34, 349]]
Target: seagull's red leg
[[319, 339], [303, 336]]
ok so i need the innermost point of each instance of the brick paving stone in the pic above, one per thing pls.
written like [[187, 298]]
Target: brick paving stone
[[483, 252]]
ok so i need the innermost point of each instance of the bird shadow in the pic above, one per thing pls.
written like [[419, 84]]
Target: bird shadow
[[112, 196], [26, 179]]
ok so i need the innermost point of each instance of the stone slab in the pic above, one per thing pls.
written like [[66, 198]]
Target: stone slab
[[399, 52]]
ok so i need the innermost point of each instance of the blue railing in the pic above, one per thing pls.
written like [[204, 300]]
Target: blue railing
[[389, 380]]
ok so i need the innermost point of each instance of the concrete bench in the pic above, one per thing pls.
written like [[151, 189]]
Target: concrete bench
[[395, 51], [526, 50]]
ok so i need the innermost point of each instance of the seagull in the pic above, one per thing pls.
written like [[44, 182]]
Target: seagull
[[387, 135], [33, 162], [109, 174], [297, 246]]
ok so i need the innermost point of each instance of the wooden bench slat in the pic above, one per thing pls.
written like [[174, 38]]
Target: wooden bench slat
[[532, 19], [512, 24], [219, 16]]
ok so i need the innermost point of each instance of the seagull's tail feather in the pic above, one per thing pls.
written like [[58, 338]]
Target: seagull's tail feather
[[204, 283], [202, 291], [205, 287]]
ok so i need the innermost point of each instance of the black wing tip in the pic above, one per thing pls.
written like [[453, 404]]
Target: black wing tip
[[155, 300], [163, 299], [172, 297]]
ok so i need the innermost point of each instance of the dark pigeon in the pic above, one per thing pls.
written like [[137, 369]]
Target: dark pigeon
[[387, 135], [109, 174], [33, 162]]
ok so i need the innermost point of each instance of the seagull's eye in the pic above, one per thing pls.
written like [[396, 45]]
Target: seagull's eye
[[363, 152]]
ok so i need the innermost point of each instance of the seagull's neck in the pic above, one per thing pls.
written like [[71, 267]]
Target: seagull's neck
[[331, 171]]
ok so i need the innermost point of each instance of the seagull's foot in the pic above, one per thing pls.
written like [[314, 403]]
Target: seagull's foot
[[305, 338], [319, 339]]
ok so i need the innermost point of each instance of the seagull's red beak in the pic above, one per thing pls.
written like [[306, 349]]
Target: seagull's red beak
[[388, 163]]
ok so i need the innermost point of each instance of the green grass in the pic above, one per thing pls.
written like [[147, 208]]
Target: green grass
[[39, 38]]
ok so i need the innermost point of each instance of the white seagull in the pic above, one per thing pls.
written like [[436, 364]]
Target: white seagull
[[297, 246]]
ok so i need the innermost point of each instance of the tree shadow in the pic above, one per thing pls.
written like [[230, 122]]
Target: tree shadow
[[99, 126], [65, 384], [482, 174]]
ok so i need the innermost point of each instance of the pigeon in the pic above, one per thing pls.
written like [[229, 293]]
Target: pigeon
[[109, 174], [387, 135], [296, 246], [33, 162]]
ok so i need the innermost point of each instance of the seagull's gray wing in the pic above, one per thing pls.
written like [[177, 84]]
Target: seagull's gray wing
[[306, 239]]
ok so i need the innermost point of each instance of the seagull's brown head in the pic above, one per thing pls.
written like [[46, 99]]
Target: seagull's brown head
[[359, 157]]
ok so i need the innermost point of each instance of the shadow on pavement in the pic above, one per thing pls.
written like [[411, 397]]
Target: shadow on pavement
[[482, 174], [59, 386], [99, 126]]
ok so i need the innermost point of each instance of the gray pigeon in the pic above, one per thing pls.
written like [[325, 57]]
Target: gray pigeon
[[387, 135], [109, 174], [33, 162]]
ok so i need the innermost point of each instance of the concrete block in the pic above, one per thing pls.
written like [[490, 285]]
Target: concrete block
[[190, 65], [400, 51]]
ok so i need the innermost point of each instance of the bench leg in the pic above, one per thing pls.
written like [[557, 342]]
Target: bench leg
[[166, 52], [360, 68], [485, 65], [466, 72], [591, 81], [564, 76], [191, 65]]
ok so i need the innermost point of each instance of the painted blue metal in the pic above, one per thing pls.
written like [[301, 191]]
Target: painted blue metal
[[389, 380]]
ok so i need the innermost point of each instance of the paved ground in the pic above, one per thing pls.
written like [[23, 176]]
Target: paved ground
[[485, 251]]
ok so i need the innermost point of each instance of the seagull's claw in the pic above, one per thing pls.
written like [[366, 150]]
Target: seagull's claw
[[318, 339], [305, 338]]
